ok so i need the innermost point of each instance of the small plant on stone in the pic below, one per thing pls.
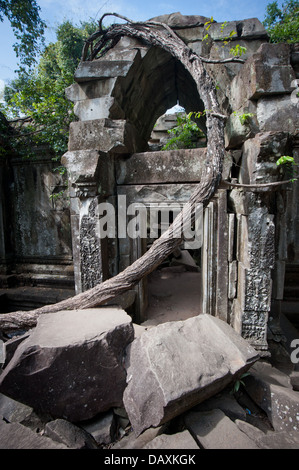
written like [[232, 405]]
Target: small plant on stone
[[238, 50], [239, 382], [288, 163], [244, 118]]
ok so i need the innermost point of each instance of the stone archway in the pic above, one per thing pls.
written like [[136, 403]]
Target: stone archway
[[153, 82], [113, 128]]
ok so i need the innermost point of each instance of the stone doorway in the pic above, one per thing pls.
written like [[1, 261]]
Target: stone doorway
[[118, 99]]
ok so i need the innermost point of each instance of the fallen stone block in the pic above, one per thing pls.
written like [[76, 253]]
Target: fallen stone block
[[15, 412], [214, 430], [102, 428], [180, 440], [174, 366], [294, 377], [254, 433], [17, 436], [226, 403], [132, 442], [69, 434], [71, 364], [279, 440], [272, 391]]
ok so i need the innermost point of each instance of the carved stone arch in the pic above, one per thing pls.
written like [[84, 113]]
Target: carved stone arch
[[153, 85], [118, 99]]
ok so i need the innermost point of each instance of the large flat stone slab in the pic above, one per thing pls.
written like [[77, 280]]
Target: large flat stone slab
[[271, 390], [174, 366], [71, 364], [17, 436], [180, 440], [214, 430]]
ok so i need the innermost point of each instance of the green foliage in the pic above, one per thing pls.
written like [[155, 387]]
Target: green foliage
[[238, 50], [186, 134], [288, 163], [282, 24], [235, 51], [27, 26], [207, 26], [244, 118], [40, 95], [239, 382], [285, 159]]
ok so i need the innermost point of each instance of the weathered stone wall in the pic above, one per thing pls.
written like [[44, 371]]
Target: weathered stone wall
[[35, 234], [118, 99]]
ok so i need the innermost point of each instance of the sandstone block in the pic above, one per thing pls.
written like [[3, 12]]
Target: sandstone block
[[177, 20], [286, 114], [71, 364], [106, 134], [161, 167], [214, 430], [174, 366], [132, 442], [90, 90], [251, 28], [100, 68], [97, 108], [17, 436], [102, 428], [180, 440], [267, 72], [69, 434], [226, 403], [260, 155], [270, 389]]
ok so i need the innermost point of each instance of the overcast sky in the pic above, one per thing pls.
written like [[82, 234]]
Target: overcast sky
[[55, 12]]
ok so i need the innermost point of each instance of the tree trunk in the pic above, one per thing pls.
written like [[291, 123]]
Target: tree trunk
[[159, 36]]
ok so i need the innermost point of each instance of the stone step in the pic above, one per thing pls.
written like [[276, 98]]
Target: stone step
[[28, 298]]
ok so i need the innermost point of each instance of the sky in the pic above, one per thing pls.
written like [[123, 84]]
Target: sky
[[54, 12]]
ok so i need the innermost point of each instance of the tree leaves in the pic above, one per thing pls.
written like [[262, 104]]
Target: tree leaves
[[283, 24], [40, 94], [27, 26]]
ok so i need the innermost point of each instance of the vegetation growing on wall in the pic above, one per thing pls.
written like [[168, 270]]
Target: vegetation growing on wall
[[185, 135]]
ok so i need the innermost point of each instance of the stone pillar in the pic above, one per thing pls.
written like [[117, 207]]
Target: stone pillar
[[209, 258], [254, 221], [93, 148], [256, 259], [89, 249]]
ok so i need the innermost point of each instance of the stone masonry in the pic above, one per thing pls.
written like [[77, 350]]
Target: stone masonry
[[119, 97]]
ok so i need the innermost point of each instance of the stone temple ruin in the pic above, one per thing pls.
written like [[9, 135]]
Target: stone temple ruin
[[250, 246], [248, 262], [246, 270]]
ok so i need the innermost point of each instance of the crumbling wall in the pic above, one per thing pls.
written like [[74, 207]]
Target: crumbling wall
[[35, 233]]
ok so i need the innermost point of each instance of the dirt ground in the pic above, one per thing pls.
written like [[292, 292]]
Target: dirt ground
[[173, 295]]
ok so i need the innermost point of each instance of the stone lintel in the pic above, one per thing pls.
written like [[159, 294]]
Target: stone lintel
[[172, 166]]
